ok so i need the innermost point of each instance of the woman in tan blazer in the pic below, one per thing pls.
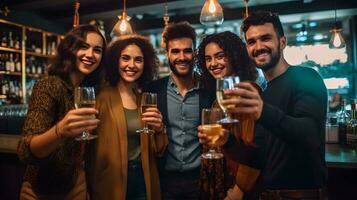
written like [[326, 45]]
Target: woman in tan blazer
[[124, 161]]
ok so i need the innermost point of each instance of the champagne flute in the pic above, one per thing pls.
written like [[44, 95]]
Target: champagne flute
[[223, 84], [148, 100], [212, 128], [84, 97]]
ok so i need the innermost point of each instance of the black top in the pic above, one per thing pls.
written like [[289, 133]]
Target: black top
[[292, 125]]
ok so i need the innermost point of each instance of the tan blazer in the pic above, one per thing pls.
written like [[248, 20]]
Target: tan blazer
[[110, 167]]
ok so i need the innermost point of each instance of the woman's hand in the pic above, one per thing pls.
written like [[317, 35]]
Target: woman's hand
[[77, 121], [213, 141], [234, 193], [153, 118], [249, 101]]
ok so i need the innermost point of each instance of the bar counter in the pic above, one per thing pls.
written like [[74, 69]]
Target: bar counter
[[336, 156]]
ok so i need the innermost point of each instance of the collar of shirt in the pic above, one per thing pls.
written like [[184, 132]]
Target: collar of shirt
[[172, 83]]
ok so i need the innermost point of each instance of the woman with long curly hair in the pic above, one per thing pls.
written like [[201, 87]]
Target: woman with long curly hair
[[124, 164], [220, 55]]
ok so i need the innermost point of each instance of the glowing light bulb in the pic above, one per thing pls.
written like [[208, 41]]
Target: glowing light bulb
[[122, 27], [336, 41], [211, 13], [211, 7]]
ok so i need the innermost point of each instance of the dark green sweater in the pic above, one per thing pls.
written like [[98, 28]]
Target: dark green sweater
[[293, 127]]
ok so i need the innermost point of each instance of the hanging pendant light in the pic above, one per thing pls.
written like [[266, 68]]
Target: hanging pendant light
[[211, 13], [122, 27], [246, 14], [76, 13], [336, 41], [166, 16]]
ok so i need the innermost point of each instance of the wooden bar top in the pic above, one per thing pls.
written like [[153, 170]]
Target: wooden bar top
[[340, 157], [336, 156]]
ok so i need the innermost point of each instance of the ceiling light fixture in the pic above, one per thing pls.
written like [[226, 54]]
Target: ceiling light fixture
[[336, 41], [246, 8], [122, 27], [211, 13], [166, 16], [76, 13]]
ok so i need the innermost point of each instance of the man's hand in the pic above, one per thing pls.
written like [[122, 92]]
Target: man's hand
[[249, 101]]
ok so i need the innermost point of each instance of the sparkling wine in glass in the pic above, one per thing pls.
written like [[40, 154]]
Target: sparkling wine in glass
[[148, 100], [84, 97], [223, 84], [212, 128]]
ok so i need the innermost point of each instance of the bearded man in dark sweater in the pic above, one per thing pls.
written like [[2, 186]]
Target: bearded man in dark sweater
[[290, 116]]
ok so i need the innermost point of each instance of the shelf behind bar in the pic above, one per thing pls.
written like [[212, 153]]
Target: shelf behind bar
[[10, 50], [11, 73], [38, 54]]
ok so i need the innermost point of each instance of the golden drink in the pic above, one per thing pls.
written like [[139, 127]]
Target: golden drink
[[85, 104], [146, 106], [212, 130], [221, 96]]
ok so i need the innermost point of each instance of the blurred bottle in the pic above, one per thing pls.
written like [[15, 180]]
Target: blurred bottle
[[4, 40], [343, 117], [351, 134]]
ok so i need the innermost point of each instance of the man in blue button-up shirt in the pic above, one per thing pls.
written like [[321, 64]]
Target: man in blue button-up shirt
[[180, 100]]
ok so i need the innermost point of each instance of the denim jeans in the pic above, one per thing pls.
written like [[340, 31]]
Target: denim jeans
[[136, 183]]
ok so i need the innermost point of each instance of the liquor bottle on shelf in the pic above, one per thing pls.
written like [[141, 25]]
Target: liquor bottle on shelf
[[4, 40], [17, 63], [351, 133], [343, 117], [12, 63], [10, 40], [17, 43], [7, 63], [2, 62]]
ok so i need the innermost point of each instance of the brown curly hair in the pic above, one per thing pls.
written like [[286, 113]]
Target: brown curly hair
[[234, 49], [151, 62]]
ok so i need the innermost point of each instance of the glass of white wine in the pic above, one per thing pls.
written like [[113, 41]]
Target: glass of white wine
[[84, 97], [148, 100], [226, 83], [212, 128]]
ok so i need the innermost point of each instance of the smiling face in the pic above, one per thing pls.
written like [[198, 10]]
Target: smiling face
[[131, 63], [180, 56], [89, 54], [217, 62], [264, 45]]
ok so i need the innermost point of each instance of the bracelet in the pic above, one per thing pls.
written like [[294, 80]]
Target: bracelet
[[56, 132]]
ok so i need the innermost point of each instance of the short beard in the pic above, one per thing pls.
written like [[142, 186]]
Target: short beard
[[176, 73], [275, 57]]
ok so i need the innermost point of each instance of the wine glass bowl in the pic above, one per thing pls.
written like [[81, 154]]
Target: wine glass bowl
[[148, 100], [212, 128], [84, 97], [227, 83]]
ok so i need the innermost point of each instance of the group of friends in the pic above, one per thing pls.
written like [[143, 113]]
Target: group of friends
[[278, 156]]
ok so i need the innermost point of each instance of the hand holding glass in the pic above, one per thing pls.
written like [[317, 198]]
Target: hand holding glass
[[226, 83], [84, 97], [212, 128], [148, 100]]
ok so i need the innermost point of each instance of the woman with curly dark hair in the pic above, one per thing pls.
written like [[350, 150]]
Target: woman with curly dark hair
[[54, 159], [124, 164], [224, 54], [220, 55]]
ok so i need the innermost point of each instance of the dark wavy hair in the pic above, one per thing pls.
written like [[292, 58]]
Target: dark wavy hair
[[260, 18], [176, 31], [65, 60], [236, 52], [151, 62]]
